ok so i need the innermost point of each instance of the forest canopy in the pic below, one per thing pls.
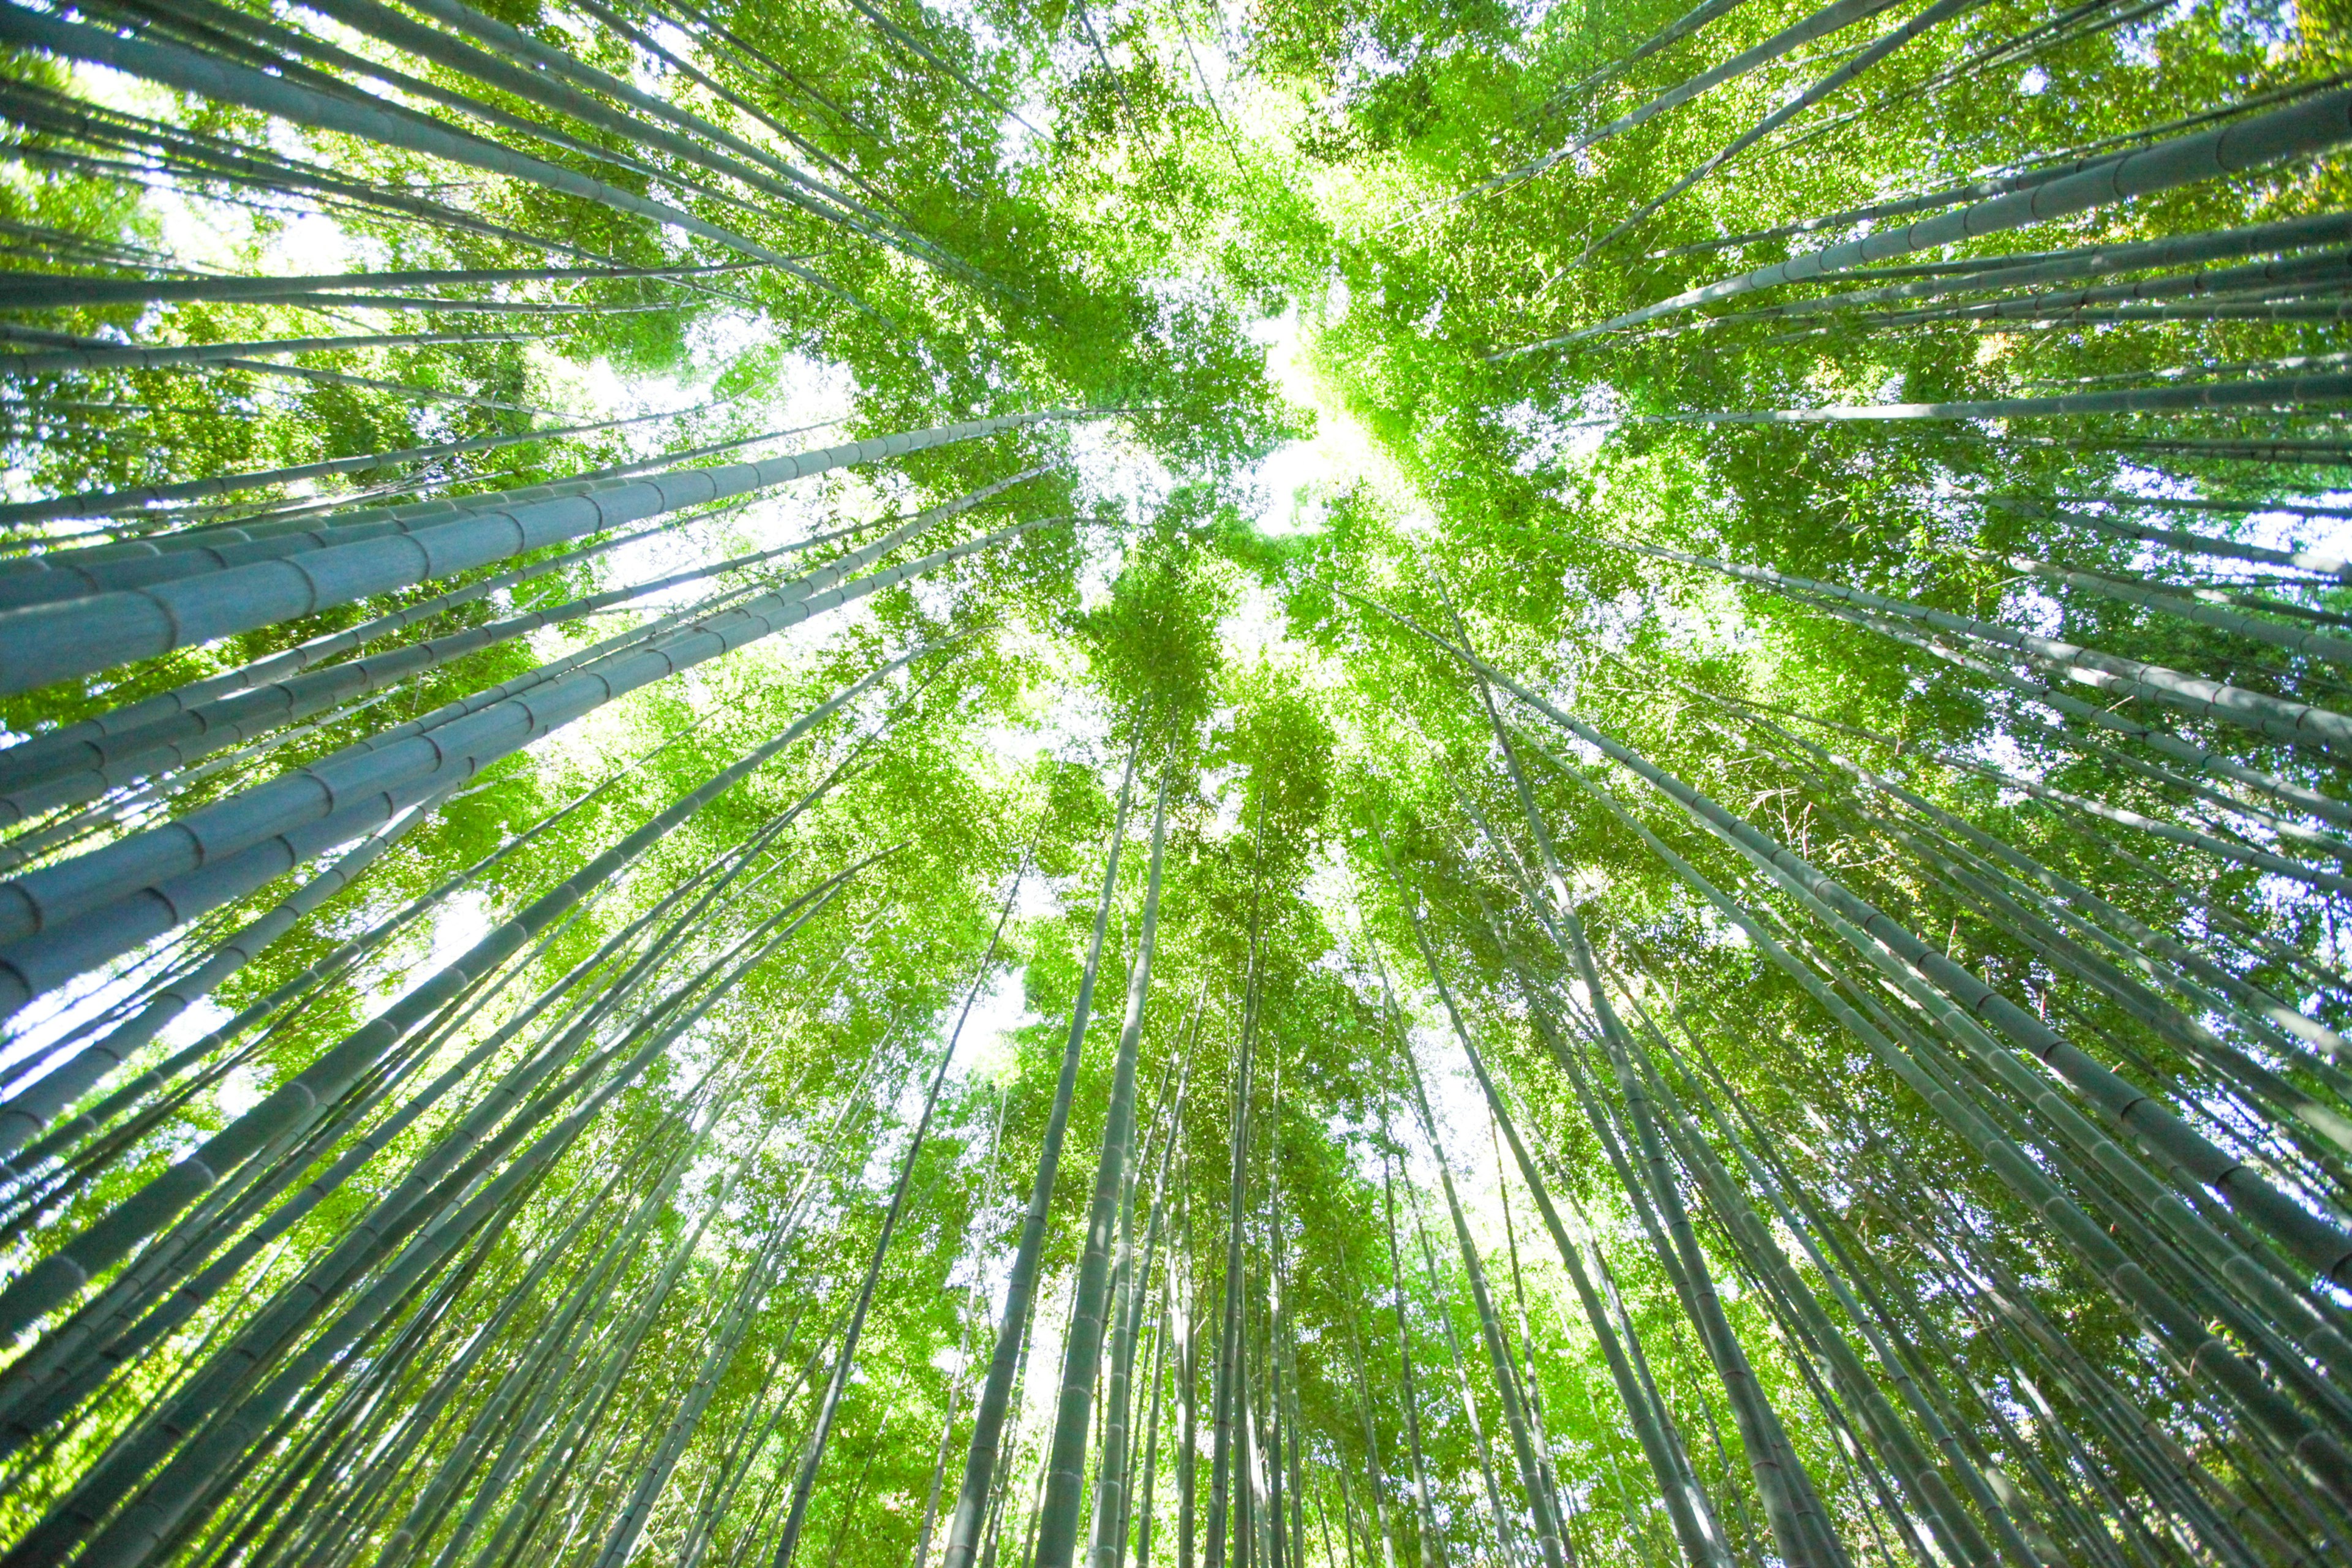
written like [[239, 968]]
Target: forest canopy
[[1334, 783]]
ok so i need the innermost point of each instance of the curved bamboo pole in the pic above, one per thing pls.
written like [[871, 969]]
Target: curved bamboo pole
[[193, 733]]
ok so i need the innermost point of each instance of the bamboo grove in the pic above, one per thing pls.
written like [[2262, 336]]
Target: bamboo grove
[[702, 861]]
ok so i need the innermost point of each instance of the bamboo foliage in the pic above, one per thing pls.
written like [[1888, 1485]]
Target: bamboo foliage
[[1833, 715]]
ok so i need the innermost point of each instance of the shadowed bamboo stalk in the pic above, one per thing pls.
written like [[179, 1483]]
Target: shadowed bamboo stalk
[[1058, 1525], [1956, 1530], [2323, 273], [2017, 1533], [1228, 1370], [2284, 392], [967, 1522], [521, 64], [2285, 791], [2138, 950]]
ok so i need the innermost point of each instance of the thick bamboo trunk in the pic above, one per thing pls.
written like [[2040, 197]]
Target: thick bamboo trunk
[[2091, 261], [84, 744], [25, 1113], [45, 643], [83, 912], [187, 738], [96, 353]]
